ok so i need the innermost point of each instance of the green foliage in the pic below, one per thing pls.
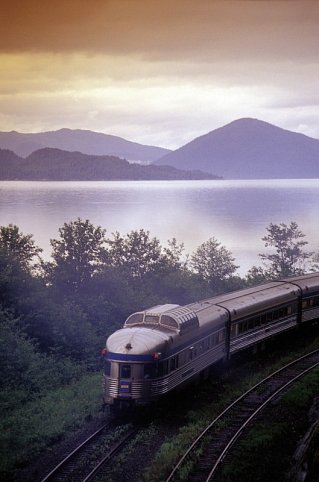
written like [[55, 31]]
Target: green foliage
[[19, 247], [258, 275], [289, 257], [138, 254], [26, 373], [257, 460], [25, 432], [77, 255], [213, 262]]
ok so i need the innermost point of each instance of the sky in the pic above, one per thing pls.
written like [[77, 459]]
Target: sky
[[158, 72]]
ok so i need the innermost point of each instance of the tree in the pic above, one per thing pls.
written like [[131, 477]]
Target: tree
[[137, 253], [18, 247], [315, 262], [173, 254], [77, 255], [213, 262], [289, 257], [257, 275]]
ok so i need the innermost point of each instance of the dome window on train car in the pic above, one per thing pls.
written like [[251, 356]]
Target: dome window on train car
[[169, 322], [190, 324], [135, 319], [151, 319]]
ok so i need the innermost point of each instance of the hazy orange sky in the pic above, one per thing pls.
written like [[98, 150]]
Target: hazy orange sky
[[158, 72]]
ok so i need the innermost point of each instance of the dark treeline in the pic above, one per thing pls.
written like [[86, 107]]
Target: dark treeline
[[59, 165], [55, 316]]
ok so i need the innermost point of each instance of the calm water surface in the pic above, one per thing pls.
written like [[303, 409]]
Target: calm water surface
[[235, 212]]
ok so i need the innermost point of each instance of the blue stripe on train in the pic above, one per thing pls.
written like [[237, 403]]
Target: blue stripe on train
[[128, 357]]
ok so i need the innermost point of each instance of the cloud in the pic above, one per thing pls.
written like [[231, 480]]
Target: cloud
[[158, 72], [163, 30]]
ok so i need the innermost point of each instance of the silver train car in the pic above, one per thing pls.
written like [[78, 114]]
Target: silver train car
[[164, 346]]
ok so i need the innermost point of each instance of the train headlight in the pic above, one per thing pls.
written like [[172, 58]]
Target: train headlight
[[157, 355]]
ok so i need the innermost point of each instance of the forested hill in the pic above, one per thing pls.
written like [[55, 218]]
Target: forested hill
[[57, 165]]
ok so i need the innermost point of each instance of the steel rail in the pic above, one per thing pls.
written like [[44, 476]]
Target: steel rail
[[247, 422], [111, 454], [232, 405], [74, 452]]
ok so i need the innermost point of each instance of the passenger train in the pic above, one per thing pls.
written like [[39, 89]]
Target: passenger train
[[162, 347]]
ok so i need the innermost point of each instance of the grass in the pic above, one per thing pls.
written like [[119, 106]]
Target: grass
[[27, 430]]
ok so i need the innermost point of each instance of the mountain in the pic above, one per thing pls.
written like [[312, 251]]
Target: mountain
[[249, 149], [57, 165], [85, 141]]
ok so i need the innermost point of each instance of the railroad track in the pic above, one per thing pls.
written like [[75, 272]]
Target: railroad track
[[207, 453], [92, 456]]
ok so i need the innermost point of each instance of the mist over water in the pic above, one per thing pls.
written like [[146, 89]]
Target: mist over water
[[236, 213]]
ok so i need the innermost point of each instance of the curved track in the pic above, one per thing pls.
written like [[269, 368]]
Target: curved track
[[91, 456], [221, 434]]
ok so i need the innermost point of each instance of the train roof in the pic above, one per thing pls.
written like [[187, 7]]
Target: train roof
[[141, 341], [180, 319], [244, 302], [307, 283]]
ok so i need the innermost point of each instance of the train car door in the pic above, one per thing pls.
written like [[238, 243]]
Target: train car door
[[125, 379]]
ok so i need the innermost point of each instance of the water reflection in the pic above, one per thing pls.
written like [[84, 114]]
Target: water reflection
[[235, 212]]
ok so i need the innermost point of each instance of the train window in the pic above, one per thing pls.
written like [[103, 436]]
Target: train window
[[162, 368], [154, 319], [172, 364], [107, 368], [135, 318], [183, 357], [169, 322], [149, 370], [125, 371], [282, 312], [251, 324], [243, 326]]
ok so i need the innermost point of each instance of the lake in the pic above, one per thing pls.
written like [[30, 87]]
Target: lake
[[236, 213]]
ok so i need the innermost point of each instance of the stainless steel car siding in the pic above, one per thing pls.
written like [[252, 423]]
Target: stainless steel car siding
[[152, 388]]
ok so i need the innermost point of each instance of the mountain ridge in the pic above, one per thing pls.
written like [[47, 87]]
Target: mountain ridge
[[248, 148], [83, 140]]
